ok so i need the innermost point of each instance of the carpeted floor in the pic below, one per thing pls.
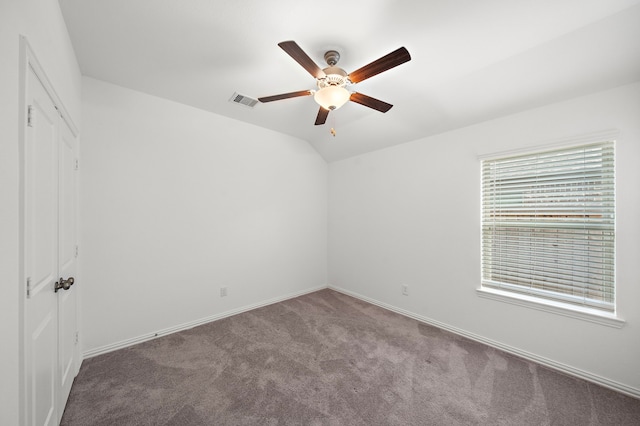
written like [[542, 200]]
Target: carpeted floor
[[329, 359]]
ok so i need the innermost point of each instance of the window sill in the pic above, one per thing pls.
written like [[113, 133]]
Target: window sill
[[558, 308]]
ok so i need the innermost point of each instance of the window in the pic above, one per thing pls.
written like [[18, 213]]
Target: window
[[548, 225]]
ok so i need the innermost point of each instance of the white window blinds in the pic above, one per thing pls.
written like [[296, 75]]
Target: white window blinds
[[548, 225]]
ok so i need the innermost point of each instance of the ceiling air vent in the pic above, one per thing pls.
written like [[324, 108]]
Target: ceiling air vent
[[243, 100]]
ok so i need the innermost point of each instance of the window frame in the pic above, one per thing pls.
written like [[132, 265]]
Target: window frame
[[555, 306]]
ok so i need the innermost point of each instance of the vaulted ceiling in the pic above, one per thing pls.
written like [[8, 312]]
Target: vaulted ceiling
[[471, 60]]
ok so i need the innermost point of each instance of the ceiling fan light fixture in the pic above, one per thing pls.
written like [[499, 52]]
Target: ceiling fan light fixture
[[332, 97]]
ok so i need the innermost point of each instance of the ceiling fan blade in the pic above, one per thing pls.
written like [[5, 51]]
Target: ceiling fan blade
[[322, 116], [292, 48], [285, 96], [370, 102], [393, 59]]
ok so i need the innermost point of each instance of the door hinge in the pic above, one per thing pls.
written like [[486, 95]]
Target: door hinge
[[30, 116], [28, 287], [77, 250], [77, 337], [77, 165]]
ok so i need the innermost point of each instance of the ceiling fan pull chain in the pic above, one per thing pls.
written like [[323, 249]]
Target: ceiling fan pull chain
[[333, 125]]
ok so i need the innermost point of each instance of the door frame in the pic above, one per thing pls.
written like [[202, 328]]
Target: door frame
[[27, 61]]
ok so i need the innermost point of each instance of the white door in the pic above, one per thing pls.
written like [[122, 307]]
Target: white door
[[41, 255], [50, 313]]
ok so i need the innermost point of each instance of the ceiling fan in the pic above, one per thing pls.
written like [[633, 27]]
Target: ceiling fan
[[332, 81]]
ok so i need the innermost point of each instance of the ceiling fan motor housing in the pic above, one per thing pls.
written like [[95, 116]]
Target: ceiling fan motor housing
[[334, 77]]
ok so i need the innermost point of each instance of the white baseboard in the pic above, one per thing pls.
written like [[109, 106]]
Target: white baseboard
[[139, 339], [564, 368]]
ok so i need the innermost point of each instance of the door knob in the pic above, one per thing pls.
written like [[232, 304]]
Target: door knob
[[63, 284]]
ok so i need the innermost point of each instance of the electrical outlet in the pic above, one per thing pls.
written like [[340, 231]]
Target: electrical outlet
[[405, 289], [223, 291]]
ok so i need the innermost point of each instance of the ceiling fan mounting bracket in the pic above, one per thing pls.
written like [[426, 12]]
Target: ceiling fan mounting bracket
[[331, 57]]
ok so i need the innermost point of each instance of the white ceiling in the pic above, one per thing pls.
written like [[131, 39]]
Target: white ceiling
[[471, 60]]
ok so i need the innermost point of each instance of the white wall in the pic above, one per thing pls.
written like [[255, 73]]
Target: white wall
[[410, 214], [41, 22], [177, 202]]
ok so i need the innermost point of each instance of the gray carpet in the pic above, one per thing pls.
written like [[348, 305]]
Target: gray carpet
[[329, 359]]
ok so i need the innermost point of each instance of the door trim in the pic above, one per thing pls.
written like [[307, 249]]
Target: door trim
[[27, 61]]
